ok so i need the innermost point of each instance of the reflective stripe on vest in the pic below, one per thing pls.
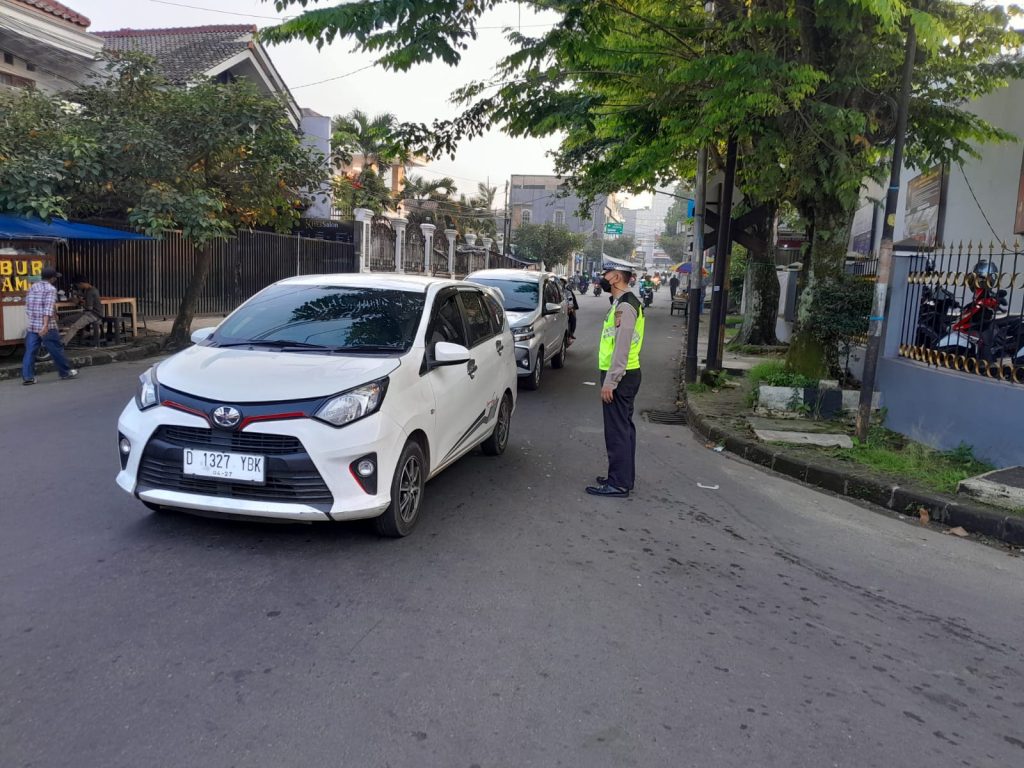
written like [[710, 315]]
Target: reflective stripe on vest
[[607, 348]]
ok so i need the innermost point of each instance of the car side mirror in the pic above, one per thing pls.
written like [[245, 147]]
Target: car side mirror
[[446, 353], [202, 335], [551, 308]]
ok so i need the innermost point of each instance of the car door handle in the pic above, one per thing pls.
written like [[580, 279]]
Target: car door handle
[[471, 368], [500, 346]]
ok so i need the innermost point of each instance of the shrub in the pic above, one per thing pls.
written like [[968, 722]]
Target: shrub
[[774, 374]]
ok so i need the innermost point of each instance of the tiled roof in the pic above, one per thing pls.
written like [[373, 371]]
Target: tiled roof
[[59, 10], [183, 53]]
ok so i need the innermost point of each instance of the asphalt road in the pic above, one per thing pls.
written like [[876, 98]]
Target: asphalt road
[[753, 623]]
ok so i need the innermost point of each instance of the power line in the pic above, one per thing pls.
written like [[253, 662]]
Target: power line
[[226, 13]]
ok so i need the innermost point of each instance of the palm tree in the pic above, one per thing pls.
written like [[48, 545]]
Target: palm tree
[[376, 138], [482, 208]]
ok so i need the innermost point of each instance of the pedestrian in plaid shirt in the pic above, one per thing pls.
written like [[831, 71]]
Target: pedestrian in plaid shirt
[[41, 310]]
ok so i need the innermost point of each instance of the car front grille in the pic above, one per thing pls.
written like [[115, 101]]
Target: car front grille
[[291, 476]]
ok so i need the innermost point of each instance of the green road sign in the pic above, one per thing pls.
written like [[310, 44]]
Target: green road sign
[[613, 228]]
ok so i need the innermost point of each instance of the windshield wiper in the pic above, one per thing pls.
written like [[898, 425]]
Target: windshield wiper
[[519, 309], [367, 348], [276, 343]]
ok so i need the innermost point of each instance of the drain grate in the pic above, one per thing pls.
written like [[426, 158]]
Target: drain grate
[[666, 417]]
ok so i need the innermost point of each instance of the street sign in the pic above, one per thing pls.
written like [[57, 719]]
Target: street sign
[[613, 228]]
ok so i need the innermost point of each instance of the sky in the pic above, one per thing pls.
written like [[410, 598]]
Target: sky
[[320, 80]]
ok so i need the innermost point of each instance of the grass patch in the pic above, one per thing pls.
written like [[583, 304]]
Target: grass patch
[[893, 454], [697, 388], [774, 374], [731, 321]]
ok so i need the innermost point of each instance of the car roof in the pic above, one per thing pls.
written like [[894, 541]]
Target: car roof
[[508, 274], [385, 280]]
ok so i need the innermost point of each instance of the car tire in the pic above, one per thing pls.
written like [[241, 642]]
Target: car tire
[[533, 382], [496, 444], [410, 476], [558, 361]]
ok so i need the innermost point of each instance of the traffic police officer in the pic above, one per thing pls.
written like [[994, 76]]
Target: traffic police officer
[[618, 357]]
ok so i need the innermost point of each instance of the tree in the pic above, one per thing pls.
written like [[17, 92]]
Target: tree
[[619, 247], [635, 87], [548, 243], [205, 160]]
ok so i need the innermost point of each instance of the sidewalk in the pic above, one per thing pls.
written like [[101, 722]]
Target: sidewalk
[[148, 343]]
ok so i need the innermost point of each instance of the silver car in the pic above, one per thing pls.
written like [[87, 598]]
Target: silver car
[[536, 311]]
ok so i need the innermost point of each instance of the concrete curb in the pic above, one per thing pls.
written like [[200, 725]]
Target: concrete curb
[[942, 509], [90, 358]]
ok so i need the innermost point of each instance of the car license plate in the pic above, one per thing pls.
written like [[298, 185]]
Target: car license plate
[[237, 467]]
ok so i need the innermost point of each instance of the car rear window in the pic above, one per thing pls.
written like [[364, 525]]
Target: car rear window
[[519, 295]]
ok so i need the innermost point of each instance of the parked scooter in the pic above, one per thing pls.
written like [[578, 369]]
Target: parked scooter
[[983, 330], [938, 311]]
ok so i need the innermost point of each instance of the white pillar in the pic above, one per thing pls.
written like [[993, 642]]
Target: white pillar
[[470, 239], [451, 234], [428, 245], [365, 218], [487, 252], [399, 225]]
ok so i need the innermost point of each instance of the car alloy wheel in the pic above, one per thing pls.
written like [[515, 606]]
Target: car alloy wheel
[[407, 483], [410, 490], [496, 444]]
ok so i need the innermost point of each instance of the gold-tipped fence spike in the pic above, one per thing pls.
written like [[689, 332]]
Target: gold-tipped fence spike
[[970, 248]]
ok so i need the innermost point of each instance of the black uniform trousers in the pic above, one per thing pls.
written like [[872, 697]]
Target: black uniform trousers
[[620, 432]]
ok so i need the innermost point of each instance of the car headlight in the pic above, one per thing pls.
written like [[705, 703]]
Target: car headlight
[[353, 405], [523, 333], [146, 394]]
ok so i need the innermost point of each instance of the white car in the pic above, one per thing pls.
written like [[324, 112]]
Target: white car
[[325, 397], [538, 314]]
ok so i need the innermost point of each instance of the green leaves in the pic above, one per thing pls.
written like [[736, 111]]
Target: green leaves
[[549, 243], [206, 159]]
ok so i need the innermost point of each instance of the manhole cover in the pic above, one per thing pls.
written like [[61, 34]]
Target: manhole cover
[[666, 417]]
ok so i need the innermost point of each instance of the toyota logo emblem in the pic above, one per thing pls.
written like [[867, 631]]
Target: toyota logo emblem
[[226, 416]]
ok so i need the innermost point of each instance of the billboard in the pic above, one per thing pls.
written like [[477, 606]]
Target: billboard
[[925, 201], [1018, 220]]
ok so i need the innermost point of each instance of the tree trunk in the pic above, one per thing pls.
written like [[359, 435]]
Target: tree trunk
[[825, 260], [181, 331], [762, 290]]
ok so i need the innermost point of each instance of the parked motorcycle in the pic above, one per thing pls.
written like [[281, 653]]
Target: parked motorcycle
[[983, 330], [938, 311]]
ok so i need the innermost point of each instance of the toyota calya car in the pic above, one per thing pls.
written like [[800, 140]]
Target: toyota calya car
[[326, 397]]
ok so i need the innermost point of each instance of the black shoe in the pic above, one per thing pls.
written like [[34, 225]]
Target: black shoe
[[607, 490], [602, 480], [26, 382]]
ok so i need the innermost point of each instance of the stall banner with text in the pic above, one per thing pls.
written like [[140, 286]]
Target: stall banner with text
[[15, 273]]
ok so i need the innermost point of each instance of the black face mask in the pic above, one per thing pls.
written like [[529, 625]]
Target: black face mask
[[605, 285]]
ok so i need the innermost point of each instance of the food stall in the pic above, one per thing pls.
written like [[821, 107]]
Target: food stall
[[27, 246]]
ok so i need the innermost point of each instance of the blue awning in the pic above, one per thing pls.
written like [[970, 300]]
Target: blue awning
[[23, 228]]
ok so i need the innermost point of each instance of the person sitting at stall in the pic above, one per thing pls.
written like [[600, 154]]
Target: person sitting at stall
[[91, 308]]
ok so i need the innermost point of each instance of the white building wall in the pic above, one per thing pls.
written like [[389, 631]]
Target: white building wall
[[316, 133], [994, 177]]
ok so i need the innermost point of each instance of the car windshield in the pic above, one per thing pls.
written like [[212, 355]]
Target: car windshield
[[519, 295], [325, 317]]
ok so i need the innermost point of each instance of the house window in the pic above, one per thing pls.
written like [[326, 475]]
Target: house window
[[560, 218], [527, 216], [6, 78], [30, 67], [8, 58]]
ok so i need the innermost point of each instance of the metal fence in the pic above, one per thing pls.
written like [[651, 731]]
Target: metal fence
[[157, 272], [965, 311]]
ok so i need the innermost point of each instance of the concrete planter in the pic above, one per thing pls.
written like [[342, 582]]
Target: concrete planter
[[794, 402]]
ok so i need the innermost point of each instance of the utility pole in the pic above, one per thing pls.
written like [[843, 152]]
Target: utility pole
[[720, 294], [696, 268], [876, 332], [506, 225]]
